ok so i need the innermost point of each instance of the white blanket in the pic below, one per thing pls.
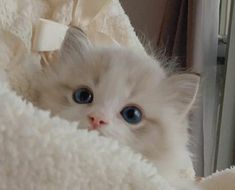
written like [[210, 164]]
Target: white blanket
[[221, 180]]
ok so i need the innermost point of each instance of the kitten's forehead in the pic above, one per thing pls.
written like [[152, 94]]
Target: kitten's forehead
[[124, 65], [123, 73]]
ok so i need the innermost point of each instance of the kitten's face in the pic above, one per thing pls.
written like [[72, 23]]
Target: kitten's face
[[119, 93]]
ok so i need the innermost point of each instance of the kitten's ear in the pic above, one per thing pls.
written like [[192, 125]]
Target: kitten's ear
[[181, 91], [75, 44]]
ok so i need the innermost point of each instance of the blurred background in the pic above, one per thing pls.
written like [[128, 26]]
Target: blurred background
[[200, 35]]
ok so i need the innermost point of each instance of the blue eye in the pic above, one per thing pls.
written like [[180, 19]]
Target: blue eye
[[83, 96], [131, 114]]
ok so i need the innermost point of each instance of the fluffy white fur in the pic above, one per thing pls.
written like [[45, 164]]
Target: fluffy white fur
[[119, 77]]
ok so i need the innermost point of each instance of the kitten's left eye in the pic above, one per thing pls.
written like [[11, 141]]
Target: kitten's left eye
[[83, 96], [131, 114]]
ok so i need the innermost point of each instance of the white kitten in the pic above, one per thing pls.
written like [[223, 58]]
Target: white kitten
[[124, 95]]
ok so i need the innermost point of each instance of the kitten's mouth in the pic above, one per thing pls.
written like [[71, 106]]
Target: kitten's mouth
[[98, 130]]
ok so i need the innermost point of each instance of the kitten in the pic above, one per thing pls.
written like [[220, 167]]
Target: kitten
[[124, 95]]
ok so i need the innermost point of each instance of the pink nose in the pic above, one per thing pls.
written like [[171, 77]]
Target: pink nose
[[96, 122]]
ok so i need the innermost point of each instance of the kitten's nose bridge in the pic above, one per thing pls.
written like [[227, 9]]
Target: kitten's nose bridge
[[97, 121]]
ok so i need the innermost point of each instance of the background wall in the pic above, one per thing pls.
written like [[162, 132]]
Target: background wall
[[145, 16]]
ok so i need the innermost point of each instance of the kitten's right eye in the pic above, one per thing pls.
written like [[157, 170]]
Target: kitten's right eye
[[131, 114], [83, 96]]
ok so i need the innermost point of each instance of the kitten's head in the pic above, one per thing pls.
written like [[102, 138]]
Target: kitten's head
[[122, 94]]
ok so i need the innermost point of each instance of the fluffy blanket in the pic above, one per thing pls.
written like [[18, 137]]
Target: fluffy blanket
[[40, 152], [223, 180]]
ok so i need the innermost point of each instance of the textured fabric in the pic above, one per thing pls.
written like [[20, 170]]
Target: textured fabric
[[223, 180]]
